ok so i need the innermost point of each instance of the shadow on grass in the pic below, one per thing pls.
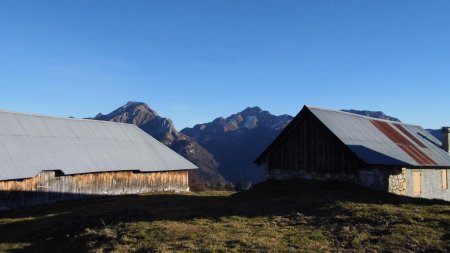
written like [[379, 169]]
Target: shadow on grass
[[51, 228]]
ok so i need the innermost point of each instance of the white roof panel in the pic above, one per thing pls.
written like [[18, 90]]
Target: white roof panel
[[10, 125], [30, 144]]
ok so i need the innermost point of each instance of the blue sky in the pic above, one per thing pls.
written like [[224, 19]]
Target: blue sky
[[195, 60]]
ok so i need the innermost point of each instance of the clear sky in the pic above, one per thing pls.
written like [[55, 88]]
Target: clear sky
[[195, 60]]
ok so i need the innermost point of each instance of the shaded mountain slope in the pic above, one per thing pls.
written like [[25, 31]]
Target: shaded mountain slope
[[436, 133]]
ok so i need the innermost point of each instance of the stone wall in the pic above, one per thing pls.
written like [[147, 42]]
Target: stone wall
[[289, 174], [397, 182], [378, 178], [431, 183]]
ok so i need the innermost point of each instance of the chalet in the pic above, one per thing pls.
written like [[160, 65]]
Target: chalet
[[324, 144], [46, 159]]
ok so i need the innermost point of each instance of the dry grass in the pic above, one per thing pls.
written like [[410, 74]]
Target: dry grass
[[272, 217]]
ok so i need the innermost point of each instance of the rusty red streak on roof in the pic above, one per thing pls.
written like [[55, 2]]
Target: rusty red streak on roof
[[412, 137], [408, 147]]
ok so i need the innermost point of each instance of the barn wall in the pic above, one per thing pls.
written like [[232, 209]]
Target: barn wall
[[48, 187], [390, 179], [431, 184], [311, 150], [400, 181]]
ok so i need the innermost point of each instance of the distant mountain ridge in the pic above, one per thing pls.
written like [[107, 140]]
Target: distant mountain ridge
[[249, 118], [141, 115], [436, 133], [237, 140], [373, 114], [225, 148]]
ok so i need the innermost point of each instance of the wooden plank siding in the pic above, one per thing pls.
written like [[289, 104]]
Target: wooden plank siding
[[48, 186], [311, 147]]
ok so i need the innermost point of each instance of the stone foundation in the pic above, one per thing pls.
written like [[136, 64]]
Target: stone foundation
[[388, 179], [301, 174], [394, 180]]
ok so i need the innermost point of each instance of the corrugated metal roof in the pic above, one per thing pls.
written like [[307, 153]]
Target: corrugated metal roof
[[30, 144], [383, 142]]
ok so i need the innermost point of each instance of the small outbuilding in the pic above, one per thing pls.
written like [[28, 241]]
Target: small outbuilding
[[323, 144], [46, 159]]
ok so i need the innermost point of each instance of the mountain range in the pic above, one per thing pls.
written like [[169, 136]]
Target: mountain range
[[223, 149], [237, 140]]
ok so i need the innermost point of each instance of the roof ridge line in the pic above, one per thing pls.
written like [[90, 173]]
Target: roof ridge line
[[362, 116], [56, 117]]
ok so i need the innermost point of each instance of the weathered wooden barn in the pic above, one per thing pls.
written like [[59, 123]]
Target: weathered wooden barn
[[324, 144], [46, 159]]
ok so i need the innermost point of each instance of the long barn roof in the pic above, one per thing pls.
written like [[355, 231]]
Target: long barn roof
[[379, 142], [30, 144], [384, 142]]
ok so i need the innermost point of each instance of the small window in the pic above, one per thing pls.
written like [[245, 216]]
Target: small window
[[444, 179], [416, 183]]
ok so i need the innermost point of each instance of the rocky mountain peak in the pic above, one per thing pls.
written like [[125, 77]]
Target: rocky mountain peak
[[136, 107], [142, 115], [99, 115], [251, 111]]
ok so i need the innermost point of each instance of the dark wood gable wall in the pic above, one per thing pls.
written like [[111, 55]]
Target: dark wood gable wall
[[310, 146]]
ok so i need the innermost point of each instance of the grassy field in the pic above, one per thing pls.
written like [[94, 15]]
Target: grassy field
[[271, 217]]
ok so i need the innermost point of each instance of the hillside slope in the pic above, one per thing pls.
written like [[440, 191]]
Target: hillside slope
[[296, 216]]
